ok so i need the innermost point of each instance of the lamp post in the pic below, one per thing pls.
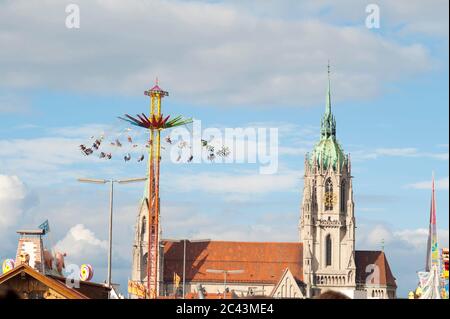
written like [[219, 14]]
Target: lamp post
[[184, 255], [111, 198], [225, 273]]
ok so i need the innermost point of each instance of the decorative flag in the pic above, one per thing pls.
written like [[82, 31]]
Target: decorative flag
[[176, 280], [137, 289], [430, 289], [444, 273], [45, 226], [424, 277]]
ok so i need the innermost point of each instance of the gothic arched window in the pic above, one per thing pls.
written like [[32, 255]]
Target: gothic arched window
[[343, 195], [329, 196], [328, 248], [143, 226], [314, 202], [144, 261]]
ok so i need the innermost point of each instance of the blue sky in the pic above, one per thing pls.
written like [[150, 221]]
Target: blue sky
[[233, 64]]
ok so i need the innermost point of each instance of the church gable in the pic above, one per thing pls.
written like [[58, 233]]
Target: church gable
[[372, 268], [287, 287]]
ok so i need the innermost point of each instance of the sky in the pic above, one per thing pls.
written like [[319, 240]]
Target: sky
[[229, 64]]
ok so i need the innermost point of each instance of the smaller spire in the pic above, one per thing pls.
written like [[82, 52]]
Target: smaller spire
[[328, 124], [432, 181], [328, 104]]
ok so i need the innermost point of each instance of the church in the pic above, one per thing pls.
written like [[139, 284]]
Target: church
[[324, 258]]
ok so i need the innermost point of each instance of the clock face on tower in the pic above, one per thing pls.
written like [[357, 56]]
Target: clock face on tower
[[329, 200]]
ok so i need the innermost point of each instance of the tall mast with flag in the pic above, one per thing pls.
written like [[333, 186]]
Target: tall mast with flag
[[432, 243], [429, 280]]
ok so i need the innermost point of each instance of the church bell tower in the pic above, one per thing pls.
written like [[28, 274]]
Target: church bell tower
[[327, 223]]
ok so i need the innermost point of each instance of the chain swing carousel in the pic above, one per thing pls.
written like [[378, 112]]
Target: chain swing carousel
[[132, 146], [155, 124]]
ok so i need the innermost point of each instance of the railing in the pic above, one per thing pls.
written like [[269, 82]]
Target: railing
[[330, 280]]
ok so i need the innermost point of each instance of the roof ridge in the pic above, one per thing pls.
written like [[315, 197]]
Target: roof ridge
[[243, 242]]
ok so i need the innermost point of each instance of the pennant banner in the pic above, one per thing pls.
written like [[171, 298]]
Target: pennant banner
[[45, 226], [137, 289]]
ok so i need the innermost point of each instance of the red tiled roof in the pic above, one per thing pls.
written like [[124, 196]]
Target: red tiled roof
[[363, 258], [262, 262]]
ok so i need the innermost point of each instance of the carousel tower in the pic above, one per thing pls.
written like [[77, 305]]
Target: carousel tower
[[146, 267]]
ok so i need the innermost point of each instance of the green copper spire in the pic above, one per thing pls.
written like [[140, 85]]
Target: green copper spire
[[328, 151], [328, 125]]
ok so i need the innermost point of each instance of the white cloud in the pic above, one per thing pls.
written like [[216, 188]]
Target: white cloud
[[15, 202], [83, 131], [401, 240], [409, 152], [417, 238], [10, 103], [35, 158], [440, 184], [13, 194], [184, 220], [238, 184], [413, 17], [45, 151], [81, 245], [405, 249], [190, 44], [57, 155], [255, 232], [418, 17], [295, 151], [378, 234]]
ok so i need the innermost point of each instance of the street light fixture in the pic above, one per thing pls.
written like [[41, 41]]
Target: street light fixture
[[111, 197], [225, 273], [184, 255]]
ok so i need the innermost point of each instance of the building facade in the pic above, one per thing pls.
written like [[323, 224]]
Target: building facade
[[140, 248]]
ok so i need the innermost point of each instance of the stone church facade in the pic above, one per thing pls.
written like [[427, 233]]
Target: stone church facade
[[324, 258], [140, 247], [327, 223]]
